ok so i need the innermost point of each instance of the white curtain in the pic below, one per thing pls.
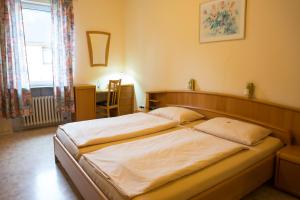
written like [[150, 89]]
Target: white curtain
[[63, 53]]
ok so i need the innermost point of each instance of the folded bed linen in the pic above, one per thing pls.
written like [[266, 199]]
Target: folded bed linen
[[100, 131], [138, 167], [76, 152]]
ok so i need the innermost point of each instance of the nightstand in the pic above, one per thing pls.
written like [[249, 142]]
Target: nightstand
[[287, 175]]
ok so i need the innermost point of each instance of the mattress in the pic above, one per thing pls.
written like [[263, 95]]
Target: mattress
[[193, 184], [77, 152]]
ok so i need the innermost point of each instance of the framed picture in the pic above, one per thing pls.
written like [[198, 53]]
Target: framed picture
[[222, 20]]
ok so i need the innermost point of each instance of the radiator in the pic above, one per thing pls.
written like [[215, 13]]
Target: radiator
[[44, 112]]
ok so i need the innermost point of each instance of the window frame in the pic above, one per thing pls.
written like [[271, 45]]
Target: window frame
[[36, 6], [45, 7]]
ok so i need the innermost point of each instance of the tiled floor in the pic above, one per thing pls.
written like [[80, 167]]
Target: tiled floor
[[28, 171]]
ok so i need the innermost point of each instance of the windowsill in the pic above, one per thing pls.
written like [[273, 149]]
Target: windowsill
[[41, 86]]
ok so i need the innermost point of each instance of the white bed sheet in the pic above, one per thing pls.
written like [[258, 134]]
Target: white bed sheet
[[76, 151], [189, 186], [99, 131], [143, 165]]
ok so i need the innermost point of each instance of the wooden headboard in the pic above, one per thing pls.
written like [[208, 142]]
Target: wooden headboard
[[283, 120]]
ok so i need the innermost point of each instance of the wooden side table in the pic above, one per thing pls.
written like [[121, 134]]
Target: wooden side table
[[287, 175], [85, 102]]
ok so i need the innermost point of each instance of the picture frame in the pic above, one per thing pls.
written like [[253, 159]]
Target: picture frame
[[222, 20]]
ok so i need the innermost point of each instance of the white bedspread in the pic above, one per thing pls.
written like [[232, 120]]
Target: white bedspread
[[105, 130], [140, 166]]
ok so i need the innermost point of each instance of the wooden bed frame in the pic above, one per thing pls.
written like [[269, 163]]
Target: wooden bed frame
[[233, 188], [281, 119]]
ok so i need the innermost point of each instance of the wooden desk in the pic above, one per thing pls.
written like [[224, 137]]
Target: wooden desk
[[86, 97], [126, 98]]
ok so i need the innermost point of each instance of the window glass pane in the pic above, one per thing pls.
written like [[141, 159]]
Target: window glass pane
[[37, 27]]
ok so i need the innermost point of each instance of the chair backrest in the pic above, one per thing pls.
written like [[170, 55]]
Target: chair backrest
[[113, 96]]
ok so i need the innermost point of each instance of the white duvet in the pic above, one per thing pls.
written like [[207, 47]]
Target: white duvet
[[140, 166], [105, 130]]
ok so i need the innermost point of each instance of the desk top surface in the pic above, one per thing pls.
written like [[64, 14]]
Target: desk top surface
[[101, 90]]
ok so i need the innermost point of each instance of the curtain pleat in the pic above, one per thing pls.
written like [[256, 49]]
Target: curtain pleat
[[63, 53], [15, 95]]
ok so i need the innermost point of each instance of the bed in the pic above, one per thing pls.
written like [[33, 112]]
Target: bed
[[229, 184], [256, 162], [142, 125]]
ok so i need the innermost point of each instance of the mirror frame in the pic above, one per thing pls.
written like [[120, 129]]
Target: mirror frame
[[90, 47]]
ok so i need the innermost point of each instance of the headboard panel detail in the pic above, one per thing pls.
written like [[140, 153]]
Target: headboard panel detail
[[283, 120]]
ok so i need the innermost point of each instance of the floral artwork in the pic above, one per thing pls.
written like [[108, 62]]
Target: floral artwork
[[222, 20]]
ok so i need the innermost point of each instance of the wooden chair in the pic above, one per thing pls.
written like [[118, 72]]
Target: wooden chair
[[113, 98]]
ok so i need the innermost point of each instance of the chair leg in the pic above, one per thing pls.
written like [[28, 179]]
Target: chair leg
[[118, 111], [108, 112]]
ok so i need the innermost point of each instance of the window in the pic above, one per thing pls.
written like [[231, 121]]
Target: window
[[37, 27]]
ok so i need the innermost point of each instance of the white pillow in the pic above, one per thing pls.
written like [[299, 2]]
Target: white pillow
[[234, 130], [178, 114]]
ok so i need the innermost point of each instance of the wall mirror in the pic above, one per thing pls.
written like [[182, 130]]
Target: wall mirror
[[98, 44]]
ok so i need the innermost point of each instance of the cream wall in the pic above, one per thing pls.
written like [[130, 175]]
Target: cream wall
[[98, 15], [157, 43], [163, 50]]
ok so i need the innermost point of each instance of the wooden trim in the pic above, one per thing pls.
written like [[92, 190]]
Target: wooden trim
[[84, 86], [277, 169], [90, 48], [283, 120], [269, 103]]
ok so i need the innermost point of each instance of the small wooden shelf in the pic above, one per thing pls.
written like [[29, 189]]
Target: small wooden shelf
[[152, 102]]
